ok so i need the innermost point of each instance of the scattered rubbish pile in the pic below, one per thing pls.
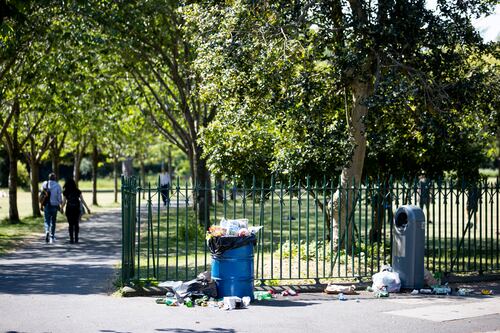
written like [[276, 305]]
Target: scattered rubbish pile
[[230, 284], [387, 281], [186, 294], [203, 287]]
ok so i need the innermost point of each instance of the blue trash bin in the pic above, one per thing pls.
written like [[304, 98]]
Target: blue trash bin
[[233, 272]]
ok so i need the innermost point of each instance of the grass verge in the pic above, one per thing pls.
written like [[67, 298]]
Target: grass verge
[[14, 235]]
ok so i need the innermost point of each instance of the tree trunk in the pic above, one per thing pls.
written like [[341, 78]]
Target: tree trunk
[[127, 169], [95, 160], [79, 152], [169, 166], [220, 190], [55, 165], [202, 194], [35, 180], [33, 155], [142, 172], [201, 181], [56, 147], [76, 167], [14, 151], [115, 177], [13, 212], [344, 200], [378, 202]]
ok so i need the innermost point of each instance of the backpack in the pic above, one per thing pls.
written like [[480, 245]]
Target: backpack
[[44, 198]]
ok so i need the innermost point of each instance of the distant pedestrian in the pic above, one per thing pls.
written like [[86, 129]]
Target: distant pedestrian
[[165, 182], [473, 196], [424, 191], [75, 204], [51, 207]]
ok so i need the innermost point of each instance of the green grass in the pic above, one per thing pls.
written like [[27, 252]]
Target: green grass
[[103, 184], [14, 235]]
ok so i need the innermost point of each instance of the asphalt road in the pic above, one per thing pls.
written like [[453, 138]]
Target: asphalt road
[[66, 287]]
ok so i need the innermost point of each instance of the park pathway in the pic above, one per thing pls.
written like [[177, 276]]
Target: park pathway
[[63, 268]]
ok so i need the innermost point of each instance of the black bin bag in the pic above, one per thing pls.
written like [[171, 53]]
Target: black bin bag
[[219, 245], [203, 285]]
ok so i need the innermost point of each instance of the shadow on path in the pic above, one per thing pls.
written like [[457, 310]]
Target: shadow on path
[[64, 268]]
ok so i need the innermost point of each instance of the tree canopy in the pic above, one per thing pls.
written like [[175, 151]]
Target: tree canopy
[[254, 88]]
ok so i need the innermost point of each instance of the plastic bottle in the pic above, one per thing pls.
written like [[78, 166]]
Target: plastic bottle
[[170, 302], [188, 302], [262, 295]]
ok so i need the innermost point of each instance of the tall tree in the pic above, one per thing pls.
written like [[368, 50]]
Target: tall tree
[[375, 52], [149, 36]]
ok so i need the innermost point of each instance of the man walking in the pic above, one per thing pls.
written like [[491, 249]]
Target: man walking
[[164, 185], [51, 207]]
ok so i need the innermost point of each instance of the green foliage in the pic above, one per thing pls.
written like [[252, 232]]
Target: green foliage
[[311, 251], [282, 76], [373, 254], [407, 133], [150, 282], [192, 231], [279, 110], [23, 176]]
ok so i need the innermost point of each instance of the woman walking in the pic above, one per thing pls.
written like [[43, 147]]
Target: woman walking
[[74, 203]]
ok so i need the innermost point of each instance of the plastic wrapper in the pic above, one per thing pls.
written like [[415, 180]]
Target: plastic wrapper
[[203, 285], [337, 289], [219, 245], [233, 227]]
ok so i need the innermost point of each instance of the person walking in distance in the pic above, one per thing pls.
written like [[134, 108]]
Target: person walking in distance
[[74, 203], [51, 207], [164, 185]]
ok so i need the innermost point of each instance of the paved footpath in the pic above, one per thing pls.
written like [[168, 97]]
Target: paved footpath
[[66, 287]]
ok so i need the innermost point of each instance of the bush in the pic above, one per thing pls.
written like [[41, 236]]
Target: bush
[[291, 249], [193, 230]]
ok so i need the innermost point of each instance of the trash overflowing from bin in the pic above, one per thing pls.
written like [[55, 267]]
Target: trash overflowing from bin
[[231, 244], [229, 285]]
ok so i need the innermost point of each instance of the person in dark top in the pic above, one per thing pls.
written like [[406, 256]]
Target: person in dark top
[[74, 203]]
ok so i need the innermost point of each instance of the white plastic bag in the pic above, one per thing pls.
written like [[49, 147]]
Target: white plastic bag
[[389, 280]]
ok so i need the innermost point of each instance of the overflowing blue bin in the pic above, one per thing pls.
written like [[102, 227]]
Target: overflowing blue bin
[[233, 273]]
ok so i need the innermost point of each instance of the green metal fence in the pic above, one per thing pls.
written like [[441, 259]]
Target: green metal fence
[[167, 242]]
